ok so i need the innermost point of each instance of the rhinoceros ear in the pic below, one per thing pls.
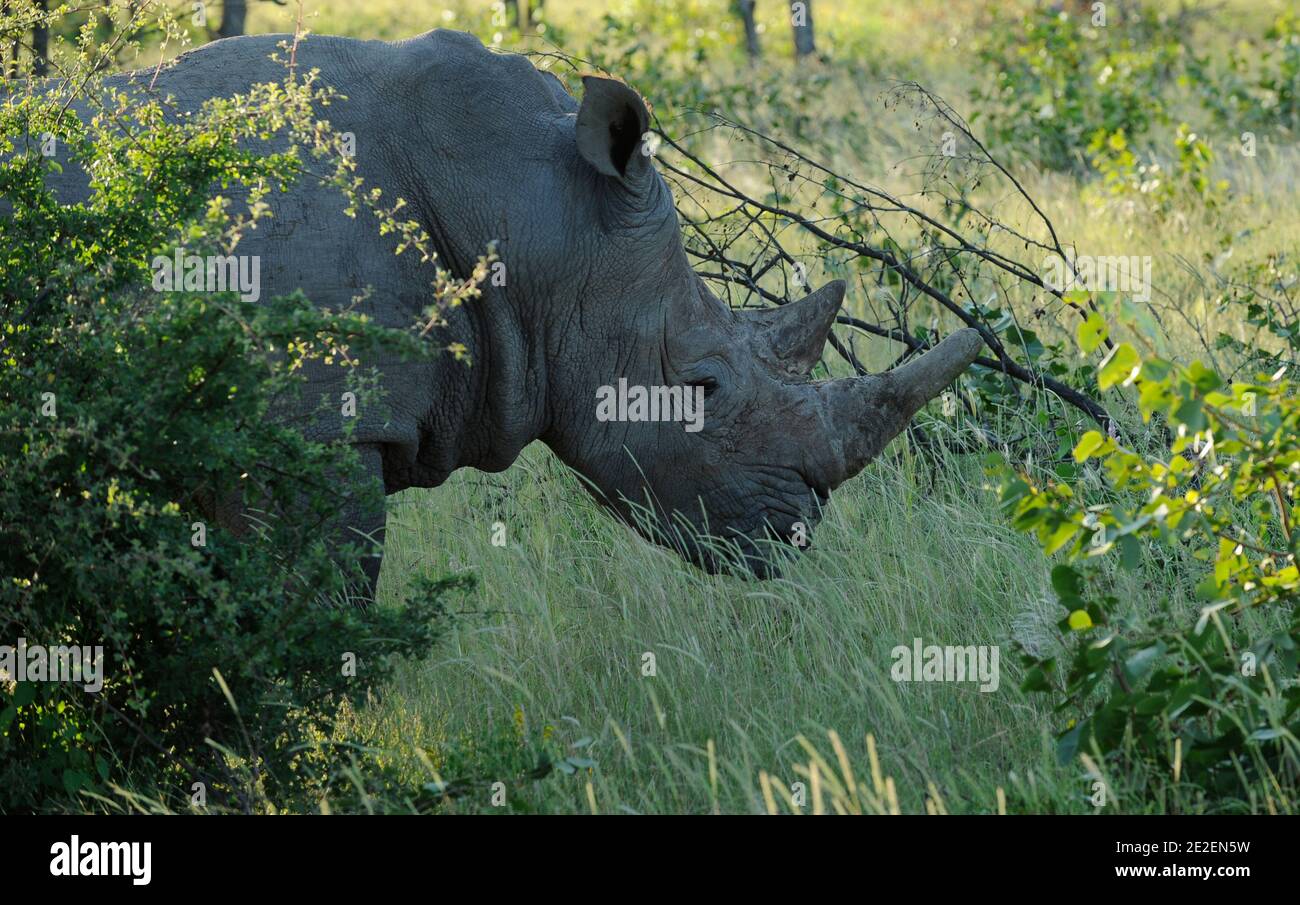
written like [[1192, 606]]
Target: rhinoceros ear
[[611, 122]]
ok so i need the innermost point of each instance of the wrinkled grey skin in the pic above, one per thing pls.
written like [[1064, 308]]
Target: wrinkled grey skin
[[485, 147]]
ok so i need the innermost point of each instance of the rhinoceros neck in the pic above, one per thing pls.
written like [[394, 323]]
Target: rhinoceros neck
[[593, 355], [509, 376], [482, 410]]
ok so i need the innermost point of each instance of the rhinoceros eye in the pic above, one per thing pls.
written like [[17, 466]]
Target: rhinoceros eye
[[710, 384]]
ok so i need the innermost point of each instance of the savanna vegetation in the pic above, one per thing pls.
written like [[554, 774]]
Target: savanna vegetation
[[1108, 498]]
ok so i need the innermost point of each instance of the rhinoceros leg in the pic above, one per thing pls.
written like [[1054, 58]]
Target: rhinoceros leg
[[361, 523]]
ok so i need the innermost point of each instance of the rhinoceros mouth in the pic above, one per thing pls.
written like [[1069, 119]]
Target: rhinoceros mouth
[[748, 556], [762, 546]]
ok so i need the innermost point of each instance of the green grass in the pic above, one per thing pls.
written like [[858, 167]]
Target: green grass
[[576, 601], [553, 643]]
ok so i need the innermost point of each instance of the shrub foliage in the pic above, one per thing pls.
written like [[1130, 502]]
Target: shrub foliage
[[124, 414]]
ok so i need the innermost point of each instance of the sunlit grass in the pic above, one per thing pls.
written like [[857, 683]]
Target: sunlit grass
[[575, 601], [556, 637]]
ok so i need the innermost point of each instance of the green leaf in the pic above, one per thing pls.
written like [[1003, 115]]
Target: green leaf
[[1203, 378], [1088, 444], [1140, 663], [1036, 680], [1120, 366], [1092, 332], [1067, 583], [1068, 745], [1059, 537], [1266, 735], [1138, 315], [74, 781]]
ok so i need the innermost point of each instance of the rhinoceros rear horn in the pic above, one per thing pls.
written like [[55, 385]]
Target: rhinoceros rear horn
[[611, 122], [796, 332]]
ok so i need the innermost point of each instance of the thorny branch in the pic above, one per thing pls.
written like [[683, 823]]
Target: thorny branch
[[743, 216]]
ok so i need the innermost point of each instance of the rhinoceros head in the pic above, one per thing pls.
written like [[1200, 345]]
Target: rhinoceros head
[[755, 467]]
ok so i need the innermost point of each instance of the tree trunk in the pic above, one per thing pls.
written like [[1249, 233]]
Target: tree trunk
[[802, 21], [10, 66], [233, 14], [41, 43], [534, 12], [752, 46]]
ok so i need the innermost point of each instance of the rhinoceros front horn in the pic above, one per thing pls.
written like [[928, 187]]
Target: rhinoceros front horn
[[870, 411]]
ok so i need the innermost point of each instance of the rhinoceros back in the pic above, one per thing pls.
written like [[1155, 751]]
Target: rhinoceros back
[[437, 120]]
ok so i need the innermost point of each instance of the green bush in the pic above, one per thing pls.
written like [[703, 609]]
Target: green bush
[[1073, 95], [1258, 86], [124, 414], [1158, 188], [1204, 698], [1059, 81]]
